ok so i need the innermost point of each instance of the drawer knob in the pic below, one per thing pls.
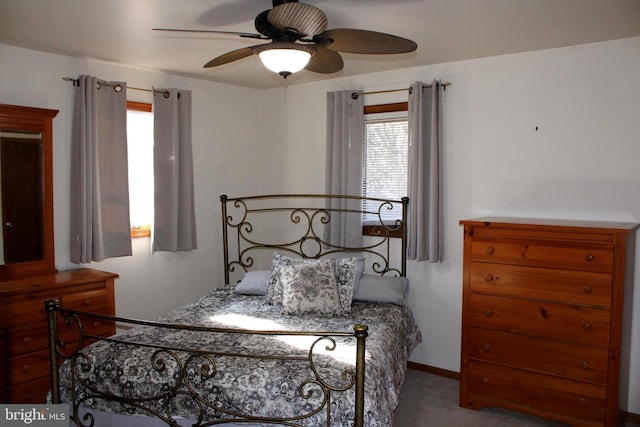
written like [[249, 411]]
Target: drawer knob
[[586, 326], [488, 278], [26, 369], [27, 397], [584, 364], [488, 250], [587, 289], [589, 257], [26, 340], [485, 380], [582, 401], [96, 323], [86, 302], [486, 347], [488, 312]]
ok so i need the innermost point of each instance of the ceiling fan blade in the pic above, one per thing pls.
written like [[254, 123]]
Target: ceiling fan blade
[[228, 57], [306, 20], [325, 61], [233, 33], [366, 42]]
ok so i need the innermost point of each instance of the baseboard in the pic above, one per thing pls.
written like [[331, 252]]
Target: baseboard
[[628, 417], [433, 370], [623, 416]]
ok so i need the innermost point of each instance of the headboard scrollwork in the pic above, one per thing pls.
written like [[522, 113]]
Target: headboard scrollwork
[[299, 225]]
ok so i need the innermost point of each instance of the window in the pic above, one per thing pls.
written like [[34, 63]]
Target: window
[[140, 150], [386, 144]]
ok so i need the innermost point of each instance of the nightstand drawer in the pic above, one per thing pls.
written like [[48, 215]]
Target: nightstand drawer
[[577, 287], [597, 258], [521, 390], [582, 363], [575, 324]]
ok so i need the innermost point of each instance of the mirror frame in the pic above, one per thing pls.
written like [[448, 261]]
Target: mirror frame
[[40, 120]]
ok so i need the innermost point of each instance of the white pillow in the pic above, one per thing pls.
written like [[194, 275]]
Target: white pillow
[[382, 289], [253, 283]]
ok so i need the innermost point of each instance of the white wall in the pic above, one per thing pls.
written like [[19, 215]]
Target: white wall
[[580, 163], [224, 137]]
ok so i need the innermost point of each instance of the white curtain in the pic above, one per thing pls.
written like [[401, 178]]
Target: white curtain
[[99, 219], [174, 227], [345, 127], [425, 226]]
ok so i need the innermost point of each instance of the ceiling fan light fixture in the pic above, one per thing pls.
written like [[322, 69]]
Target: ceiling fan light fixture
[[284, 58]]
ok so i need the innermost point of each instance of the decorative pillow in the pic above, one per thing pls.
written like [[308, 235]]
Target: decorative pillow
[[253, 283], [382, 289], [360, 264], [310, 288], [274, 286], [346, 274]]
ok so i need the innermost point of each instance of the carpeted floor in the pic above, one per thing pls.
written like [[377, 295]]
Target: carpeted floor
[[432, 400]]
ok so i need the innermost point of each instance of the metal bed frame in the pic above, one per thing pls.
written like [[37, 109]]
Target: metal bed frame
[[239, 229], [239, 216]]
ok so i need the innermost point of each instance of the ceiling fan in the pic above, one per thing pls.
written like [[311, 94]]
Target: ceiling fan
[[300, 40]]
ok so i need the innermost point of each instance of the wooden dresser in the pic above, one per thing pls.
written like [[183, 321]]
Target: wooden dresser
[[24, 360], [542, 316]]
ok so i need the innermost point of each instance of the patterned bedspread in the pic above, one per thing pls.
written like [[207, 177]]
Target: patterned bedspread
[[255, 386]]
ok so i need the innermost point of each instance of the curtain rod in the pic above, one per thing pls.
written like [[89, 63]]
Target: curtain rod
[[118, 88], [400, 90]]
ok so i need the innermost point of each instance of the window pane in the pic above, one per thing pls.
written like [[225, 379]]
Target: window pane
[[386, 162], [140, 148]]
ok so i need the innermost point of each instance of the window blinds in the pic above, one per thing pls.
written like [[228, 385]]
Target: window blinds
[[385, 164]]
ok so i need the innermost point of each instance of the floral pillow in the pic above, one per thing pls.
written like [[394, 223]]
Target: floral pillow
[[274, 285], [345, 270], [346, 277], [310, 288]]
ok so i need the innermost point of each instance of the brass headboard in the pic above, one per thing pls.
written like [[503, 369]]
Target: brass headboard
[[295, 224]]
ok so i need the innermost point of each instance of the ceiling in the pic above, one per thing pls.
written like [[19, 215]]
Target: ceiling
[[445, 30]]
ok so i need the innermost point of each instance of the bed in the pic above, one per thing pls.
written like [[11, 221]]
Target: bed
[[306, 330]]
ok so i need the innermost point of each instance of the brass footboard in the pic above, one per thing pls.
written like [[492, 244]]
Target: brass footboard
[[189, 360]]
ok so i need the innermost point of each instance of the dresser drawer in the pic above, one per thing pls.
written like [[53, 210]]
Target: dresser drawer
[[597, 258], [90, 326], [582, 363], [29, 367], [32, 392], [566, 400], [3, 366], [579, 287], [25, 311], [576, 324], [28, 340], [92, 301]]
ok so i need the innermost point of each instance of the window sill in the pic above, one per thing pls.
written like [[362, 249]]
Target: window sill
[[141, 231], [377, 230]]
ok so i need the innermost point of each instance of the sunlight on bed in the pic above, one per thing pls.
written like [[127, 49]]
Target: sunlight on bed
[[344, 352], [246, 322]]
